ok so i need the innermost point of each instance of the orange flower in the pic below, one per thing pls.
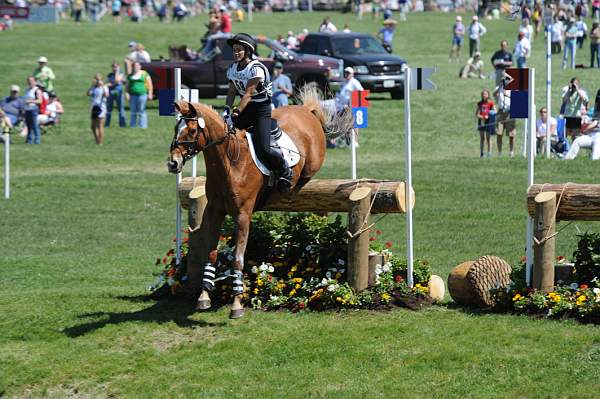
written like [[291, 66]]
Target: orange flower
[[388, 244], [164, 260], [171, 252], [583, 286]]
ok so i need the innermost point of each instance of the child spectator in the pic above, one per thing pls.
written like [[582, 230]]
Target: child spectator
[[473, 68], [458, 33], [485, 127], [98, 94]]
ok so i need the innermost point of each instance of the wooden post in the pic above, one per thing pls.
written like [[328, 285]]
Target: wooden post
[[197, 203], [543, 255], [358, 244]]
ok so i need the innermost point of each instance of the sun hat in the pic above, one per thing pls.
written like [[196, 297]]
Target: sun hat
[[14, 88], [132, 44], [390, 21], [349, 70], [475, 18], [43, 59]]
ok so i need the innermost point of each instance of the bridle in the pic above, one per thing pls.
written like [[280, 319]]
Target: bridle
[[192, 148]]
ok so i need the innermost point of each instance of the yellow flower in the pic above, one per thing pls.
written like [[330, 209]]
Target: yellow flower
[[339, 299], [292, 292], [386, 297], [298, 280], [581, 299], [297, 286], [294, 268], [259, 282], [517, 297], [256, 291]]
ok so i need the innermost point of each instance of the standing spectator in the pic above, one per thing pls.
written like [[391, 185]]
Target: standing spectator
[[386, 34], [557, 36], [375, 7], [136, 12], [473, 68], [291, 41], [573, 99], [501, 60], [116, 11], [139, 87], [546, 124], [596, 9], [98, 94], [509, 126], [33, 100], [582, 31], [536, 17], [484, 107], [282, 86], [344, 96], [570, 44], [476, 31], [13, 105], [527, 30], [139, 54], [225, 20], [595, 45], [115, 95], [403, 7], [522, 50], [458, 34], [180, 11], [327, 25], [44, 75], [77, 10], [161, 11]]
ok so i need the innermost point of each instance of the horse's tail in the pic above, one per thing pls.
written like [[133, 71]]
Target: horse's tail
[[334, 124]]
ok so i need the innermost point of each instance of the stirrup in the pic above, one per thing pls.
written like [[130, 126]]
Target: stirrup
[[284, 182]]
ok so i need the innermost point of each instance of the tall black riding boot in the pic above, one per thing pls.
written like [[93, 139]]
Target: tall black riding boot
[[284, 182]]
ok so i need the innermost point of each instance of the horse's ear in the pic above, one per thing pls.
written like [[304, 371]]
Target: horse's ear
[[183, 107]]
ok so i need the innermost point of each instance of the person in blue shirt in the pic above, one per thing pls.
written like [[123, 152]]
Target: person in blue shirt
[[282, 86], [386, 34], [13, 105]]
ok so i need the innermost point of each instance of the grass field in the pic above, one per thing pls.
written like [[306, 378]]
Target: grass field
[[85, 224]]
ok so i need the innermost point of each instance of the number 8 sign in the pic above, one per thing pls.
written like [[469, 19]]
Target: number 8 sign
[[360, 117]]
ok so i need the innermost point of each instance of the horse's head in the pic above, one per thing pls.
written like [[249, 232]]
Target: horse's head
[[190, 136]]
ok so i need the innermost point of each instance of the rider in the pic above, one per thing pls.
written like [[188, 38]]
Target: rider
[[250, 79]]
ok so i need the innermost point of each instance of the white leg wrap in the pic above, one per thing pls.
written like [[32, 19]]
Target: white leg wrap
[[238, 283]]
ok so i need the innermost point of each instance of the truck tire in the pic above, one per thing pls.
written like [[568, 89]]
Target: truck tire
[[397, 94]]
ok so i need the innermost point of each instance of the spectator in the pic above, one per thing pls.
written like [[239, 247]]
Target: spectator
[[114, 85], [509, 125], [527, 30], [522, 50], [595, 45], [544, 125], [136, 12], [485, 127], [473, 68], [7, 23], [573, 99], [98, 94], [557, 36], [161, 11], [327, 25], [44, 75], [225, 20], [570, 44], [376, 7], [582, 30], [476, 31], [282, 86], [291, 41], [239, 14], [386, 34], [590, 137], [387, 12], [54, 109], [346, 29], [116, 10], [180, 11], [77, 8], [33, 100], [139, 87], [13, 105], [458, 33], [596, 9], [139, 54], [536, 17], [302, 36], [344, 96], [501, 60]]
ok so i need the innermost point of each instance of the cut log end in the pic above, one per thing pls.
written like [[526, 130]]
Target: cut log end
[[360, 193], [545, 197]]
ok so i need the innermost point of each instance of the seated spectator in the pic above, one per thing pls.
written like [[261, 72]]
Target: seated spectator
[[546, 123], [54, 109], [590, 138], [7, 23], [13, 105], [292, 41], [473, 68]]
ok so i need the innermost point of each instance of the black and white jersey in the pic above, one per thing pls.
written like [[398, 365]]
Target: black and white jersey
[[254, 69]]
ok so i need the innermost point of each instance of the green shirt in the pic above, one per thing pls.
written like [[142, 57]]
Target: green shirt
[[45, 76], [137, 86]]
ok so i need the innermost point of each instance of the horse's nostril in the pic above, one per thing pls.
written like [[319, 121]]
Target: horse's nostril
[[172, 165]]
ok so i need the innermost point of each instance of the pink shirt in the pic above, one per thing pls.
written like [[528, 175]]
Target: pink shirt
[[225, 23]]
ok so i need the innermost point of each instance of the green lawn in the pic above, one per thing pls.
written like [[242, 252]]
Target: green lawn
[[85, 223]]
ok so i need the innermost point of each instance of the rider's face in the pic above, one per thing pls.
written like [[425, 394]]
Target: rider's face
[[238, 52]]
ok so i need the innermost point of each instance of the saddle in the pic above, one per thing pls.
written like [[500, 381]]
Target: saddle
[[280, 142]]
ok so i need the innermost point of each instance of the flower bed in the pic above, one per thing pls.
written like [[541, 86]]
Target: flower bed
[[298, 262]]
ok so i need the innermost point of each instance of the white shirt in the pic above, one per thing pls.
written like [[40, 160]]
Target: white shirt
[[240, 79], [541, 128], [292, 42], [558, 30], [523, 48], [344, 96], [329, 27], [476, 30]]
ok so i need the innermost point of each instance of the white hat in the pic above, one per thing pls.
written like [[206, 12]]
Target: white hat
[[132, 44], [475, 18], [14, 88], [349, 70], [43, 59], [458, 18], [223, 8]]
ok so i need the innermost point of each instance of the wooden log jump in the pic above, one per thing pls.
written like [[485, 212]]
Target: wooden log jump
[[547, 204], [359, 198]]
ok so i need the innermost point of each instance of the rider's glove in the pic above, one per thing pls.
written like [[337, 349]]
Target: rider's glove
[[235, 114], [226, 112]]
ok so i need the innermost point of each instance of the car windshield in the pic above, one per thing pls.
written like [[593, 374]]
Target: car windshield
[[357, 45]]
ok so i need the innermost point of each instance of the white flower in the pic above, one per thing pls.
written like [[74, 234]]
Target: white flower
[[263, 267], [324, 281], [341, 262], [574, 286], [386, 267], [328, 275], [332, 288], [378, 269], [271, 269], [254, 269], [308, 248], [596, 290]]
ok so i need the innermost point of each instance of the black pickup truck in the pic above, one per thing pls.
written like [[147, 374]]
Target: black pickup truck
[[375, 68], [207, 70]]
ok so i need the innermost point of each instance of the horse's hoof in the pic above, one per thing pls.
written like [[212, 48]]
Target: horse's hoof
[[203, 304], [236, 313]]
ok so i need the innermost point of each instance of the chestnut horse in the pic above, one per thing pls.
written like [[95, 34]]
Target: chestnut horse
[[234, 184]]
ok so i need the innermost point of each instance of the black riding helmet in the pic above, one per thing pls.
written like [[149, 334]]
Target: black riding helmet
[[245, 40]]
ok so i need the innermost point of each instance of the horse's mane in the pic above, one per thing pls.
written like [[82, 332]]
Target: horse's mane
[[207, 109]]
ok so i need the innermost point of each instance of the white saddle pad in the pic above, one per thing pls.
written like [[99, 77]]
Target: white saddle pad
[[289, 149]]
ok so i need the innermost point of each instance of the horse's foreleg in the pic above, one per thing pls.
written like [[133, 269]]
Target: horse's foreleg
[[211, 226], [243, 228]]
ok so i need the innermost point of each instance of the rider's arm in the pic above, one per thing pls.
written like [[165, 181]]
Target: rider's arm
[[252, 83], [231, 92]]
